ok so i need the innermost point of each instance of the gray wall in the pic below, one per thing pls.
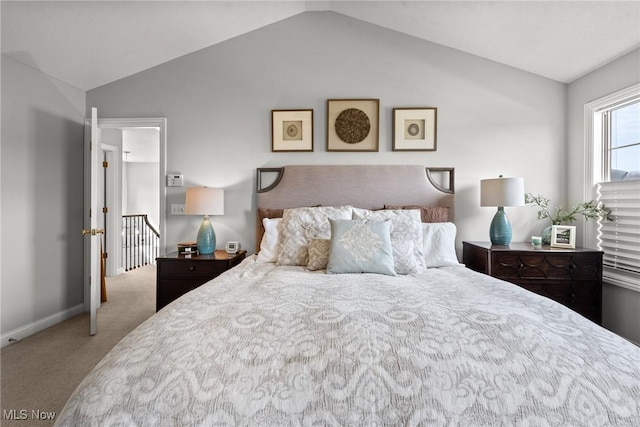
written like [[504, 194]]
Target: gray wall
[[620, 306], [42, 194], [492, 119]]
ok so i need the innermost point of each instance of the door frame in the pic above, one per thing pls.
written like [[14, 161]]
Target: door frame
[[161, 123], [113, 200]]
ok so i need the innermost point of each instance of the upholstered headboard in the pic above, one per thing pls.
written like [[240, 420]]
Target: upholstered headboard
[[363, 186]]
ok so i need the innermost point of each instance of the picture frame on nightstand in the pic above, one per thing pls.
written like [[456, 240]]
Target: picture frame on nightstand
[[563, 236]]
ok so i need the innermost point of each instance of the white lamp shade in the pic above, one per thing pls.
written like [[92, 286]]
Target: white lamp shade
[[500, 192], [204, 201]]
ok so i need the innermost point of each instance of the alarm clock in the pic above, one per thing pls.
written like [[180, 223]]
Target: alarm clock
[[232, 247]]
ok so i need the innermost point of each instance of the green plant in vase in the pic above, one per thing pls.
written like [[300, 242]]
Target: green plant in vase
[[590, 209]]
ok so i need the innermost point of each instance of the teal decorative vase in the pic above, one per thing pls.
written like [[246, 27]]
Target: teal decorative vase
[[500, 230], [546, 235], [206, 240]]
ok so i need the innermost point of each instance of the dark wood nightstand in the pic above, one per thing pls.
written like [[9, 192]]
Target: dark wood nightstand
[[179, 274], [572, 277]]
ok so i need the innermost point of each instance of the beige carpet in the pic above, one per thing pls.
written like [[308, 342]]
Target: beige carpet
[[40, 372]]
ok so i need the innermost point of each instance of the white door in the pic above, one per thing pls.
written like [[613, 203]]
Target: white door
[[92, 233]]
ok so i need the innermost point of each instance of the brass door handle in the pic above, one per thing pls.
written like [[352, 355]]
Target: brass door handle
[[92, 231]]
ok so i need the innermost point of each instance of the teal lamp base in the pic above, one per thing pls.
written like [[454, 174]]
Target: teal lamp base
[[206, 240], [500, 230]]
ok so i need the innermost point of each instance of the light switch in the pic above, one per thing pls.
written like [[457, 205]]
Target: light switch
[[177, 209], [175, 180]]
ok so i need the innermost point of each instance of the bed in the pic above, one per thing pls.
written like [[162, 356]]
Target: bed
[[363, 333]]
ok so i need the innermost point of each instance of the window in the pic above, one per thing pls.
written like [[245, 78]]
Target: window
[[613, 150], [622, 141]]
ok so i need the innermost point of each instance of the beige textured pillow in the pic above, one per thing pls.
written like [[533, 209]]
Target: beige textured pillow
[[405, 227], [300, 225], [318, 254], [267, 213]]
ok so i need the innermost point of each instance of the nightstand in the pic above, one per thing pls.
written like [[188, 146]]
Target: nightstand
[[179, 274], [572, 277]]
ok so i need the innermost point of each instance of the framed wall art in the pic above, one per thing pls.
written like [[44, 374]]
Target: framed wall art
[[291, 130], [353, 124], [414, 129], [563, 236]]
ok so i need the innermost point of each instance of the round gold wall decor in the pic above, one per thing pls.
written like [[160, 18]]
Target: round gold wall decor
[[352, 125]]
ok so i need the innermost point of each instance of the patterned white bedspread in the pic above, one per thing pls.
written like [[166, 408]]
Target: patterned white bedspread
[[281, 346]]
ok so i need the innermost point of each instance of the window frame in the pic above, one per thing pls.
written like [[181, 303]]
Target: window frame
[[597, 163]]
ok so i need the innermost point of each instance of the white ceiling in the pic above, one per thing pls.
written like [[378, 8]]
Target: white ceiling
[[92, 43]]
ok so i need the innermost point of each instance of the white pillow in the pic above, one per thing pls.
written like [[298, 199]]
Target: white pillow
[[439, 244], [406, 236], [270, 240], [300, 225]]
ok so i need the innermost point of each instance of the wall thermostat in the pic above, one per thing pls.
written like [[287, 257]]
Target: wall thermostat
[[232, 247], [175, 180]]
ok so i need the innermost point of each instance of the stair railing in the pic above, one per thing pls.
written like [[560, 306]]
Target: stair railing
[[140, 242]]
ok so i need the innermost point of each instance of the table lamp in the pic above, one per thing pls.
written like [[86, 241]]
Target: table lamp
[[501, 192], [205, 201]]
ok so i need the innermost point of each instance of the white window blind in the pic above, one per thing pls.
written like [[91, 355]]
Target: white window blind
[[620, 238]]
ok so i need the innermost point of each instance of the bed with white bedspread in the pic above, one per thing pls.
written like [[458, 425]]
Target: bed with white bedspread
[[274, 342]]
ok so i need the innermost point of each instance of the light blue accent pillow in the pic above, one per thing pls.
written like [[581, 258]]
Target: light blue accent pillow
[[360, 246]]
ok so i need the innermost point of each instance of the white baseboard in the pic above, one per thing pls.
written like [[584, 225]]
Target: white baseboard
[[39, 325]]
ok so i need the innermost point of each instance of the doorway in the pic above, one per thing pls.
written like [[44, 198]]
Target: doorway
[[133, 183]]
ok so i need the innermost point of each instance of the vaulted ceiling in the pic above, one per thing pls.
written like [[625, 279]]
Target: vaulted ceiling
[[92, 43]]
